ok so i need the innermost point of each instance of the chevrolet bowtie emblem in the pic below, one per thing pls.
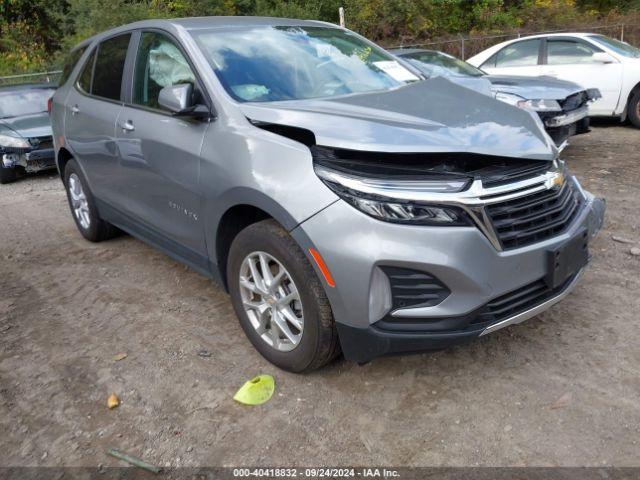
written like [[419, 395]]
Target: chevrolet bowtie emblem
[[558, 181]]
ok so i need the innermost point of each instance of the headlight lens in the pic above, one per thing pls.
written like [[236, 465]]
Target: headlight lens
[[542, 105], [13, 142], [539, 105], [353, 191]]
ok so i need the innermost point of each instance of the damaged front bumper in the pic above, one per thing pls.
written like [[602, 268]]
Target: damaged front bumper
[[488, 288], [567, 118], [30, 160]]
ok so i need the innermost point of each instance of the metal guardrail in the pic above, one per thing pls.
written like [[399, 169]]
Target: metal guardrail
[[40, 77]]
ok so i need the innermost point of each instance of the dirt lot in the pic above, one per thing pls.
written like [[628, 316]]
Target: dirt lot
[[561, 389]]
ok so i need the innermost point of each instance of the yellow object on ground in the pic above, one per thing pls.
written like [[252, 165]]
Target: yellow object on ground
[[256, 391], [113, 401]]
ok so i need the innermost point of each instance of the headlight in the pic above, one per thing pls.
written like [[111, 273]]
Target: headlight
[[13, 142], [542, 105], [509, 98], [539, 105], [359, 192]]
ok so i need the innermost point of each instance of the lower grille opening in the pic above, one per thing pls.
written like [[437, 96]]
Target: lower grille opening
[[518, 301], [508, 305]]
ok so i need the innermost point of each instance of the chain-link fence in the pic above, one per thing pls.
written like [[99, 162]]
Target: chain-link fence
[[41, 77], [460, 46], [466, 47]]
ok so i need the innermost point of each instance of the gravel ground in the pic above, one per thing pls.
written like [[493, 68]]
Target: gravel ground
[[560, 389]]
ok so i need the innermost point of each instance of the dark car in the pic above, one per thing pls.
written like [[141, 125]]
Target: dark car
[[26, 144], [561, 105]]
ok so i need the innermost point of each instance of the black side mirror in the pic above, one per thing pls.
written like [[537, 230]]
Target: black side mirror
[[178, 99]]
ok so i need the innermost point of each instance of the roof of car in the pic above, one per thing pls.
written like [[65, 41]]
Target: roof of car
[[485, 54], [201, 23], [191, 23]]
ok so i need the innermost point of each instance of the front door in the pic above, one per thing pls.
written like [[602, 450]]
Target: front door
[[572, 60], [160, 153]]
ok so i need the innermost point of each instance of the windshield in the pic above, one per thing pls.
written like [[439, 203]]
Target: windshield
[[15, 103], [621, 48], [436, 63], [265, 64]]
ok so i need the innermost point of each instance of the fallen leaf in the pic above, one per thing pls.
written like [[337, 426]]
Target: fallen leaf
[[113, 401], [561, 402], [119, 356]]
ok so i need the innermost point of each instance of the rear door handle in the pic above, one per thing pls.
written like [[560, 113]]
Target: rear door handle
[[127, 126], [75, 110]]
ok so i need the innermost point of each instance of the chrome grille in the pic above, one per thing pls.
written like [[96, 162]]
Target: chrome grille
[[534, 217]]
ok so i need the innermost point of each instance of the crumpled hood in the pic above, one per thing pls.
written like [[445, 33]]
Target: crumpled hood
[[435, 115], [534, 88], [36, 125]]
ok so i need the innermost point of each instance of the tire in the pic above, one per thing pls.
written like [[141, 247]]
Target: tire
[[318, 341], [91, 226], [633, 109], [7, 175]]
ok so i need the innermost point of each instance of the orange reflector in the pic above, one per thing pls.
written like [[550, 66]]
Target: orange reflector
[[322, 266]]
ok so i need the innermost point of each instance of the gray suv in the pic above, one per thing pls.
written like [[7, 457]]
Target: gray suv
[[343, 200]]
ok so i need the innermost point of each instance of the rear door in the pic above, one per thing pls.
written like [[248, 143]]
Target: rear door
[[160, 153], [518, 58], [570, 58], [92, 108]]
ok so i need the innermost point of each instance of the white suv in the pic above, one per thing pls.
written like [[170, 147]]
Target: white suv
[[590, 60]]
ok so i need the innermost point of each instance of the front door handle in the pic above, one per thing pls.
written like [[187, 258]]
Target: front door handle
[[75, 110], [127, 126]]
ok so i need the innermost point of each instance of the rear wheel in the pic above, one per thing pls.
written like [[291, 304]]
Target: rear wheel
[[7, 174], [83, 207], [278, 298], [633, 110]]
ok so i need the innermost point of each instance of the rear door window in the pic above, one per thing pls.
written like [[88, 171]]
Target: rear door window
[[519, 54], [107, 76]]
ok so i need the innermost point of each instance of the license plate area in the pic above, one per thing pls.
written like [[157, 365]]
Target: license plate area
[[567, 259]]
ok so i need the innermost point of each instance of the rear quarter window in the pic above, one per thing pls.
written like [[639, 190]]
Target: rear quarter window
[[84, 79], [70, 63]]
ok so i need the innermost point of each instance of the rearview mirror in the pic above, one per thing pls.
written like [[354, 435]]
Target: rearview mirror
[[602, 57]]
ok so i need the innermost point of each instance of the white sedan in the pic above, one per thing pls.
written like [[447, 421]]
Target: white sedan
[[590, 60]]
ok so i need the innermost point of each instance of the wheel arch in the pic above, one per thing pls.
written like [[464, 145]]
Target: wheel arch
[[63, 158]]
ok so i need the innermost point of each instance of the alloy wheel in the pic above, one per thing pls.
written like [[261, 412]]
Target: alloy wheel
[[79, 203], [272, 301]]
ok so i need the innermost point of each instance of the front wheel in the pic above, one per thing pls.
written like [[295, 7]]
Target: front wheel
[[633, 109], [83, 206], [279, 300]]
